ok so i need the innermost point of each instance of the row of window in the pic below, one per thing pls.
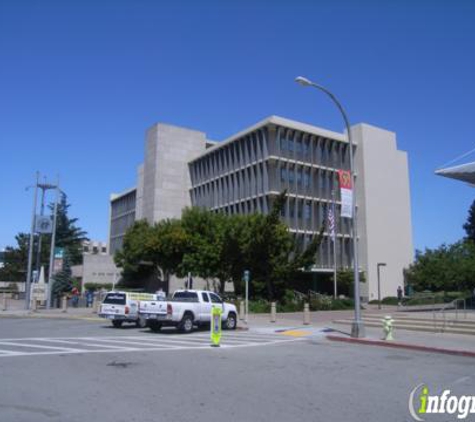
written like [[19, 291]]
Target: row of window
[[123, 204], [243, 151]]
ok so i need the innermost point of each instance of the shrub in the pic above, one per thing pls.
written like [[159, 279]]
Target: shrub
[[98, 286]]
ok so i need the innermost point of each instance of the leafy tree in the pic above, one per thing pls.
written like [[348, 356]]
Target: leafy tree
[[135, 258], [219, 247], [469, 226], [16, 260], [448, 267]]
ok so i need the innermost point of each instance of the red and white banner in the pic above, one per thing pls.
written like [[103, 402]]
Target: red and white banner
[[346, 193]]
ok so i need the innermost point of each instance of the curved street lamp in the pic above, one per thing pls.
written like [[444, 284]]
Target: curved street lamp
[[357, 327]]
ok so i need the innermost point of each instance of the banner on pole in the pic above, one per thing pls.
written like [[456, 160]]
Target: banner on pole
[[58, 260], [346, 193], [44, 224]]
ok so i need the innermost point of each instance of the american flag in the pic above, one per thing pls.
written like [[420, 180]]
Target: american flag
[[331, 223]]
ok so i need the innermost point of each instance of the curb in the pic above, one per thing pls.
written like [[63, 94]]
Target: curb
[[406, 346]]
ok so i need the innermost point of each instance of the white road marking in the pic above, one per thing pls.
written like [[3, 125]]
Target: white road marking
[[138, 343]]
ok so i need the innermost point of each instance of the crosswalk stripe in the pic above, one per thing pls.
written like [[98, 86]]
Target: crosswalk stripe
[[37, 346]]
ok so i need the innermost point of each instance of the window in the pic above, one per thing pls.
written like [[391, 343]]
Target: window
[[283, 144], [307, 210], [298, 147], [205, 297], [299, 176], [215, 298], [283, 174], [186, 296], [290, 144], [291, 176], [115, 299], [306, 148], [306, 178]]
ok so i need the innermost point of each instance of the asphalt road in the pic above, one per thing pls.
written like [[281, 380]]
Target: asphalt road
[[287, 380]]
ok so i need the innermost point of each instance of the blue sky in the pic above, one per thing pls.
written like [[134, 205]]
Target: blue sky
[[80, 81]]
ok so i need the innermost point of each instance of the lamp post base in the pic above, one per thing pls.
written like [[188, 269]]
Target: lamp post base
[[357, 329]]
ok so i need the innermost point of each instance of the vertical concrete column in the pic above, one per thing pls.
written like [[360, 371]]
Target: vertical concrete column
[[273, 312], [64, 308], [4, 302], [306, 314]]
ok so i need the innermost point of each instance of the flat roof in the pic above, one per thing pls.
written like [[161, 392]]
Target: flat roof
[[280, 121], [114, 196]]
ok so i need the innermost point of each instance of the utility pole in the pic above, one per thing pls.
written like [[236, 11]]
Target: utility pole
[[44, 187], [30, 248], [53, 244]]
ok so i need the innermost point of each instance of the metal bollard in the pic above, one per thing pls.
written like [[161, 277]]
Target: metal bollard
[[273, 312], [64, 308], [242, 310], [306, 314], [4, 302], [388, 328]]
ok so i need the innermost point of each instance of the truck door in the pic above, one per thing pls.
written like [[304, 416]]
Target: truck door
[[205, 307]]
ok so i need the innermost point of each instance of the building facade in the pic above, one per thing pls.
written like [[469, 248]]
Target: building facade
[[246, 172]]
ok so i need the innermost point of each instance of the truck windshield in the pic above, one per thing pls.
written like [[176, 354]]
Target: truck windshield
[[115, 298], [186, 296]]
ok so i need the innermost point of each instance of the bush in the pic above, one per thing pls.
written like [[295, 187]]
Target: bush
[[98, 286], [389, 300]]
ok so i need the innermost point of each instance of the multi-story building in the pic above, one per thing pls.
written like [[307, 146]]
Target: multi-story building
[[245, 173]]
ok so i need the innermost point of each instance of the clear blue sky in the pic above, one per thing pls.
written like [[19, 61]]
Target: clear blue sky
[[80, 81]]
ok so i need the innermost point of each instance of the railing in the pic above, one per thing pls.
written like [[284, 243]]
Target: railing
[[441, 315]]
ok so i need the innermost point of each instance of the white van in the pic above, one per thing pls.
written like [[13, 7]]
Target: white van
[[120, 307]]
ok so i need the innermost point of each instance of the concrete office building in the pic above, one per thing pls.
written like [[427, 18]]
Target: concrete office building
[[244, 173]]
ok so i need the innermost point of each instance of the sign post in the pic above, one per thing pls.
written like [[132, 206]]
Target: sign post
[[247, 276], [216, 312]]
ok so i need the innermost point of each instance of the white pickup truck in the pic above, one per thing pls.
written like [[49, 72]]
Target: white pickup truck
[[120, 307], [186, 309]]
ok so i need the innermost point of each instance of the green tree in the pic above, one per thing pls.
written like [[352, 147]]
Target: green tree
[[446, 268], [62, 280], [219, 247], [68, 235], [469, 226], [136, 258], [16, 260]]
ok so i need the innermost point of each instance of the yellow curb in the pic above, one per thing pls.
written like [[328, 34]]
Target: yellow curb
[[296, 333]]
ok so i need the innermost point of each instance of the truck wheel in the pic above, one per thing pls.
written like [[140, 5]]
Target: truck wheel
[[155, 326], [231, 321], [117, 324], [141, 322], [186, 324]]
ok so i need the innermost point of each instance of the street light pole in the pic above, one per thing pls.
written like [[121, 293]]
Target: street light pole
[[357, 327], [380, 264]]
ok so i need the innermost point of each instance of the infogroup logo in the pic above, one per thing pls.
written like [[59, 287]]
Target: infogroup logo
[[421, 403]]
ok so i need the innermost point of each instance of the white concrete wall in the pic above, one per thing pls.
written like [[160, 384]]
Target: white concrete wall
[[166, 181], [140, 193], [384, 209]]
